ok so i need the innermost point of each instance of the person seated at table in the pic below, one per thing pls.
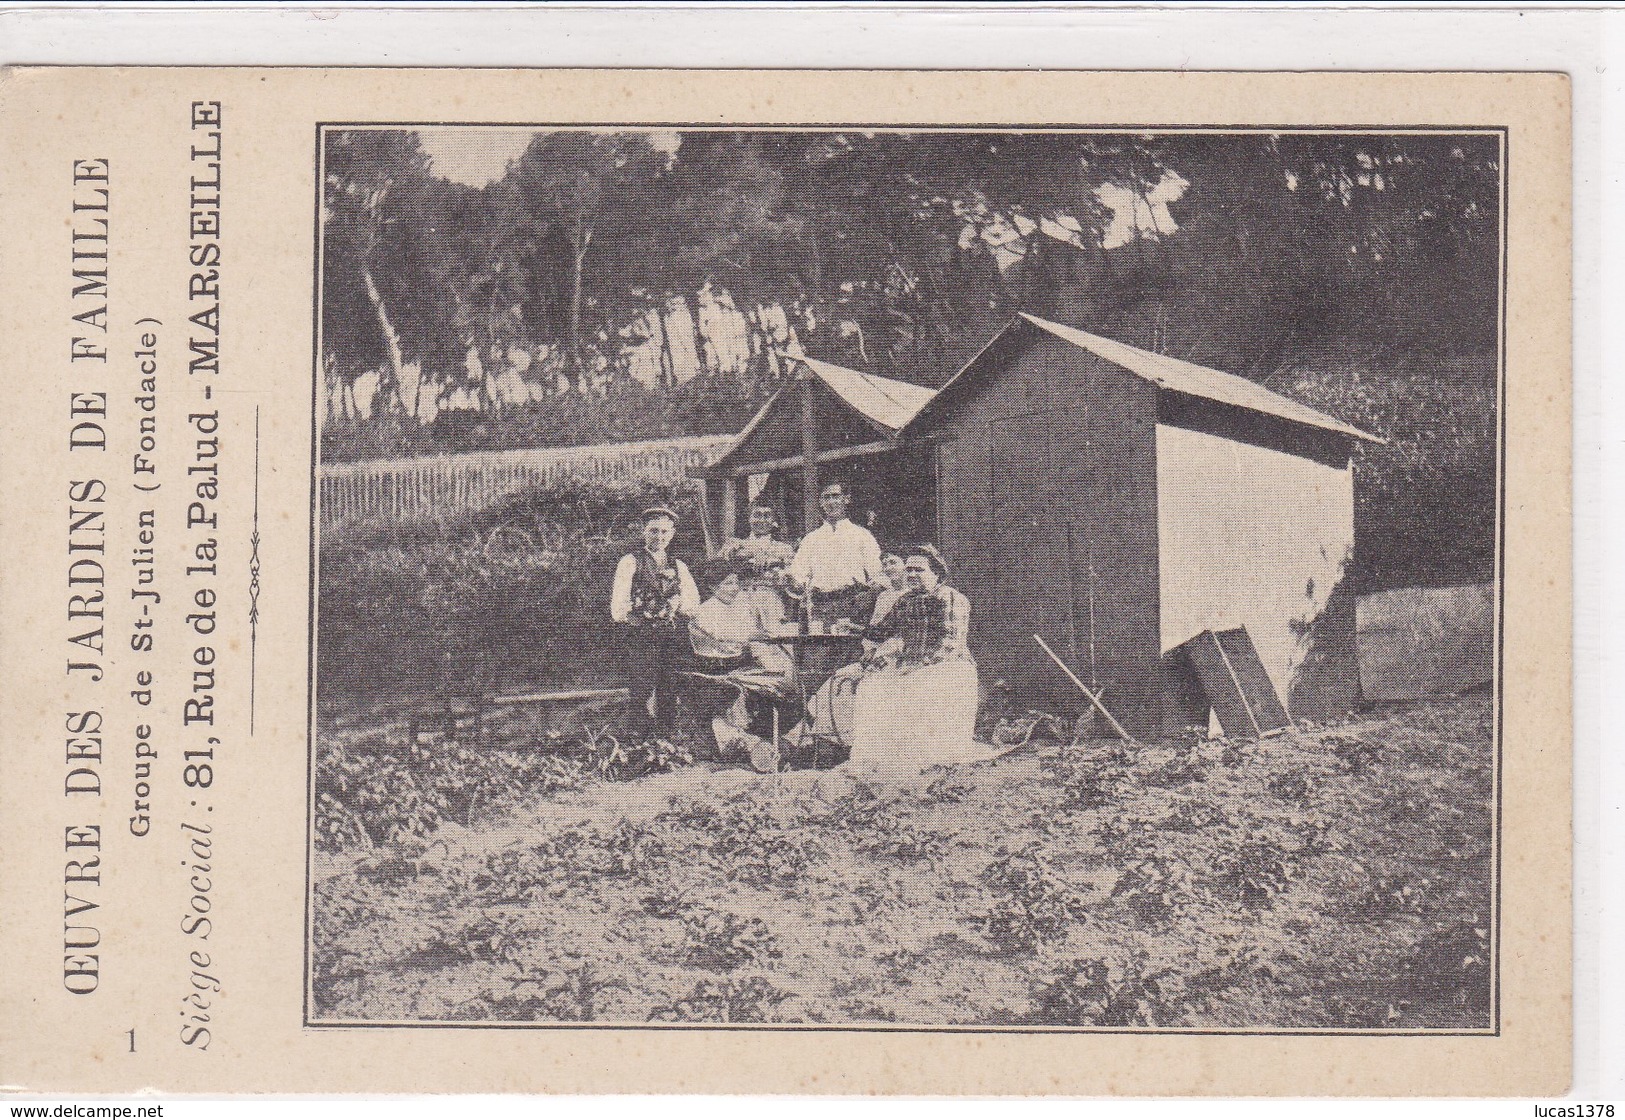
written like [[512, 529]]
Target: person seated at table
[[724, 624], [764, 561], [895, 575], [911, 702], [726, 632], [754, 675], [831, 705]]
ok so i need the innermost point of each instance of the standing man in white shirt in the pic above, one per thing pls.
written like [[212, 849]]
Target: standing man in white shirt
[[651, 601], [838, 563]]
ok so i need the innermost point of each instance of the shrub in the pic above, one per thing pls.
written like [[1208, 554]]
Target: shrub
[[1083, 783], [394, 867], [1254, 868], [906, 843], [1125, 833], [480, 937], [1354, 755], [1235, 753], [1218, 973], [664, 902], [748, 843], [513, 875], [1425, 502], [571, 995], [1176, 768], [1195, 814], [778, 857], [402, 791], [489, 1006], [1453, 961], [571, 858], [730, 999], [1155, 888], [1031, 905], [513, 596], [1097, 993], [719, 940], [948, 789], [623, 410], [629, 850], [335, 972], [1296, 786], [861, 810], [337, 969]]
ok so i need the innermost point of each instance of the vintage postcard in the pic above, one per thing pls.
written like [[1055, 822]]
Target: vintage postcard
[[808, 582]]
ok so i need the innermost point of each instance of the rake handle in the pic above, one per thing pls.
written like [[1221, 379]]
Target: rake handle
[[1093, 699]]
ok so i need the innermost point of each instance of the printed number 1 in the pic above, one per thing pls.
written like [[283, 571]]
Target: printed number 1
[[131, 1033]]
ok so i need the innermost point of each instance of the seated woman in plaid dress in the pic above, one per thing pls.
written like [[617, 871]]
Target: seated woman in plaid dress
[[912, 699]]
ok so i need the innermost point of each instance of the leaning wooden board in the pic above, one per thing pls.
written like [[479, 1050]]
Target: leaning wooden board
[[1235, 684]]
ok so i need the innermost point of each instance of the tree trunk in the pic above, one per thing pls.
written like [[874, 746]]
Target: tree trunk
[[756, 345], [702, 367], [668, 363], [392, 341], [497, 359], [417, 397], [580, 242]]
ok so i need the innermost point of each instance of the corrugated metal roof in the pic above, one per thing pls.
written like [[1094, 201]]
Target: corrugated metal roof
[[881, 400], [1185, 377], [1198, 381]]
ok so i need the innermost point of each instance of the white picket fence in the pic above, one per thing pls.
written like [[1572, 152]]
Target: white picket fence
[[384, 490]]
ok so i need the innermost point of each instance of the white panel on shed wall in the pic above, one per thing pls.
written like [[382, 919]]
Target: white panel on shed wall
[[1249, 536]]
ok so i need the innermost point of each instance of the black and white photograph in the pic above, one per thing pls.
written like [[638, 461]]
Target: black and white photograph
[[906, 578]]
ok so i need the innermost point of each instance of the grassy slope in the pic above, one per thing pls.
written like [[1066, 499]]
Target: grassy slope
[[1335, 877]]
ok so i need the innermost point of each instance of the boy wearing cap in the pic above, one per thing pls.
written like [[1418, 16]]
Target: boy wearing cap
[[652, 599]]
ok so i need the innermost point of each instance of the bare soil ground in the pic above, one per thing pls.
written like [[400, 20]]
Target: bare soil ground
[[1333, 877]]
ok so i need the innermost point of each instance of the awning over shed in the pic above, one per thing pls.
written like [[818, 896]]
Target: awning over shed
[[887, 402], [1159, 369], [852, 413]]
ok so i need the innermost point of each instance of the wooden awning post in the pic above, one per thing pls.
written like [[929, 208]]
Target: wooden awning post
[[711, 543], [730, 512], [811, 515], [739, 494]]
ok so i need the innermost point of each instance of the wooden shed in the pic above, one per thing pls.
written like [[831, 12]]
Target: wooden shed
[[845, 424], [1119, 502]]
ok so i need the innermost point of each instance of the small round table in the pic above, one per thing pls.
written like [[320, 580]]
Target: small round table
[[847, 648]]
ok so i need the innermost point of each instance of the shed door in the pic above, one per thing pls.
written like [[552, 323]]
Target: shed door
[[1047, 582], [1055, 579]]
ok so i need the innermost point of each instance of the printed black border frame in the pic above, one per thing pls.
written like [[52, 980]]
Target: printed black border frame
[[1494, 1030]]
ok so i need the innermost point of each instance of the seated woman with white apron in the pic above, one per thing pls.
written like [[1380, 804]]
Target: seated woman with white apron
[[911, 702]]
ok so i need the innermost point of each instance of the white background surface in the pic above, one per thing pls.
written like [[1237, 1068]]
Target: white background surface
[[1585, 41]]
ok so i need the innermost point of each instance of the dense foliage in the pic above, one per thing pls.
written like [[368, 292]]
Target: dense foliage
[[514, 595], [1425, 502], [715, 404], [899, 253]]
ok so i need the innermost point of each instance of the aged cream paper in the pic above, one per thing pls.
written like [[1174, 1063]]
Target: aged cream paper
[[158, 566]]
